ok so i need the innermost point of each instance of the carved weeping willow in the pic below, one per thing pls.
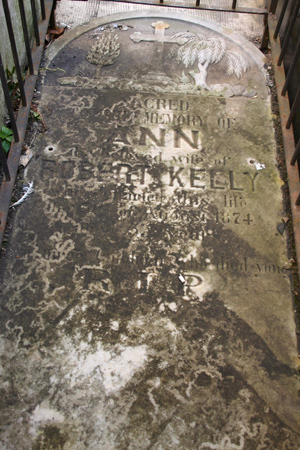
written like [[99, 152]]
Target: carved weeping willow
[[105, 51], [206, 51]]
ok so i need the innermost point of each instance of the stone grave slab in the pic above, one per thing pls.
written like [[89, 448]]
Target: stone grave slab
[[146, 303]]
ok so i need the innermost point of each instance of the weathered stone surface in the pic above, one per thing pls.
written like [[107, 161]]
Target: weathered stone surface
[[146, 303]]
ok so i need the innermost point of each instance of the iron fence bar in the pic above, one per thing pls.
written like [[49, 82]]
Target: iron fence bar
[[234, 2], [35, 23], [26, 36], [296, 155], [175, 4], [265, 36], [292, 68], [4, 163], [6, 188], [43, 11], [293, 110], [298, 167], [8, 101], [273, 6], [281, 17], [52, 22], [289, 32], [14, 51]]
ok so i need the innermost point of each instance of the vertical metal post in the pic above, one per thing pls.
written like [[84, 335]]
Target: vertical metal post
[[292, 68], [289, 32], [35, 23], [4, 162], [293, 110], [26, 37], [14, 51], [52, 22], [8, 101], [273, 6], [197, 2], [43, 10], [296, 154], [234, 2], [265, 36], [277, 29]]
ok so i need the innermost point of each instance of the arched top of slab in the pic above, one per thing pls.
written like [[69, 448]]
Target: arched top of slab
[[236, 38]]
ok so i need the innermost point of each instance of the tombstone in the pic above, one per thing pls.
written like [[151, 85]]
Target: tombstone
[[150, 306]]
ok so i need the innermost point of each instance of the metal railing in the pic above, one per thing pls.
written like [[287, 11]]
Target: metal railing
[[10, 162], [197, 5], [288, 54], [18, 66], [287, 35]]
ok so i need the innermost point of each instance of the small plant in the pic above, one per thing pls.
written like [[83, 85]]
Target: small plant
[[13, 85], [6, 136], [35, 115], [12, 81]]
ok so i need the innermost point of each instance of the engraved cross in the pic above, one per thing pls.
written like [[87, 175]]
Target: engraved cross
[[159, 39]]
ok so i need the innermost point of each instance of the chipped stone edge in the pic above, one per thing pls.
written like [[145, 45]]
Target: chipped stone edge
[[238, 39]]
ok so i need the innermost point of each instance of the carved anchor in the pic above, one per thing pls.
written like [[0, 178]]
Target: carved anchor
[[159, 39]]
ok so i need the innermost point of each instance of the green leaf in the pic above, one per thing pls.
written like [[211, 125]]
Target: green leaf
[[6, 146], [6, 136], [35, 115], [6, 131]]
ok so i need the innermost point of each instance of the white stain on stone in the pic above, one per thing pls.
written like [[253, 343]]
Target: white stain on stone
[[42, 415], [114, 325], [117, 371], [170, 326], [225, 444], [113, 368], [259, 166], [172, 306]]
